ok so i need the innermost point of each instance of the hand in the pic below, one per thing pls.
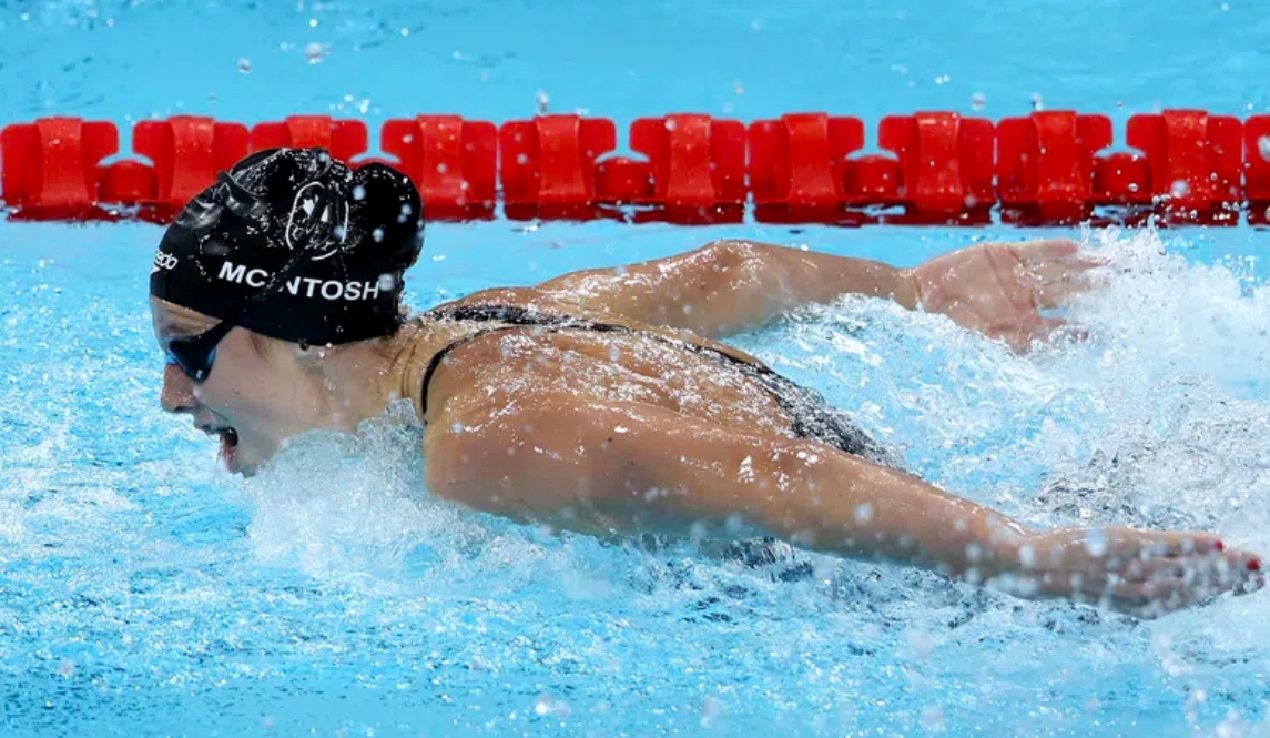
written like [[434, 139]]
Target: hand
[[999, 289], [1136, 572]]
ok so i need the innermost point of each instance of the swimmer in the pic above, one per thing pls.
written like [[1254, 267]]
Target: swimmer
[[601, 401]]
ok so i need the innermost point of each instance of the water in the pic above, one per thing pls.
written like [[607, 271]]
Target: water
[[144, 593]]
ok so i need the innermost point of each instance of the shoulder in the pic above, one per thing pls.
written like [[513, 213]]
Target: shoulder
[[526, 297]]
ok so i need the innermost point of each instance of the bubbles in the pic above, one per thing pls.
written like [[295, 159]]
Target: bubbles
[[359, 193], [337, 560], [546, 705], [378, 235], [711, 711], [315, 52], [1096, 543]]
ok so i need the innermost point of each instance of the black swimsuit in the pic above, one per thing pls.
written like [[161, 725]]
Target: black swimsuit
[[812, 416]]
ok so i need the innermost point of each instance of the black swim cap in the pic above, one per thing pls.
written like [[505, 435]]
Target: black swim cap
[[291, 243]]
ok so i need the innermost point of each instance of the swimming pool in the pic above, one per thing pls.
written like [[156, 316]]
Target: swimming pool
[[143, 593]]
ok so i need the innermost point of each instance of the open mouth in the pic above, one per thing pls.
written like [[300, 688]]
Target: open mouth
[[228, 441]]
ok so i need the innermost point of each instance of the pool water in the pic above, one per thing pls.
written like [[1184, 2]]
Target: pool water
[[145, 593]]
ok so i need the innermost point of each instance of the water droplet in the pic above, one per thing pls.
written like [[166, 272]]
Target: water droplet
[[1027, 556], [543, 100], [863, 513], [359, 193], [1231, 727], [315, 52], [933, 717], [978, 101], [548, 705], [1180, 188], [711, 709], [442, 168], [244, 66], [921, 642], [378, 235], [1038, 102], [1096, 542], [522, 158], [1263, 147]]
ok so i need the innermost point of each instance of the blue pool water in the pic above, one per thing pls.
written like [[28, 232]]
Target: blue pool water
[[145, 593]]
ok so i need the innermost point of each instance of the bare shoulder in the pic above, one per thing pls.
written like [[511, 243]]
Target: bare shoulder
[[488, 448], [530, 298]]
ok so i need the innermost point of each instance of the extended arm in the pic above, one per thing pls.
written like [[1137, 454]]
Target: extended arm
[[728, 286], [633, 468]]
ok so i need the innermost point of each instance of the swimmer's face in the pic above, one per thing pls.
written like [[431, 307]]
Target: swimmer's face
[[250, 402]]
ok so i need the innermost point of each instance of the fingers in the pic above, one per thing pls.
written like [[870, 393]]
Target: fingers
[[1021, 338], [1170, 594], [1053, 283], [1128, 541], [1144, 573], [1068, 268], [1037, 252]]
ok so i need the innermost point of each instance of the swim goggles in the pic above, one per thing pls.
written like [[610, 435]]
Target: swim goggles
[[195, 355]]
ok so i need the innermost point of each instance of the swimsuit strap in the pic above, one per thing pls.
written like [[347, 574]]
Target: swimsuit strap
[[811, 416], [515, 316]]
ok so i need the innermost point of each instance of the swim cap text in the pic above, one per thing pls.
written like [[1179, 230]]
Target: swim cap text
[[301, 286]]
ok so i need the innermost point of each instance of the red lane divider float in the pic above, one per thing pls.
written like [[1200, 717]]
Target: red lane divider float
[[1185, 166]]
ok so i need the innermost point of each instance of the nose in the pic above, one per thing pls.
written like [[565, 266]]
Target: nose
[[178, 391]]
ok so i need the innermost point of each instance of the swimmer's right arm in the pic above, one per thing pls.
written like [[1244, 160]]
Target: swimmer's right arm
[[1000, 290], [728, 286], [630, 469]]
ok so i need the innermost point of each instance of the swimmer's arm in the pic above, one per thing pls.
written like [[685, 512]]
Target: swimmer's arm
[[729, 286], [627, 468]]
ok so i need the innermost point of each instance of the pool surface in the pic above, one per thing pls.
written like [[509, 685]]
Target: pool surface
[[145, 593]]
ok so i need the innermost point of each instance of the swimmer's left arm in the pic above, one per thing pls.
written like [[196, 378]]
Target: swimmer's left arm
[[628, 468]]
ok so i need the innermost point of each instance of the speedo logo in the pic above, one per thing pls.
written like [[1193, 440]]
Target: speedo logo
[[329, 289], [163, 262]]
